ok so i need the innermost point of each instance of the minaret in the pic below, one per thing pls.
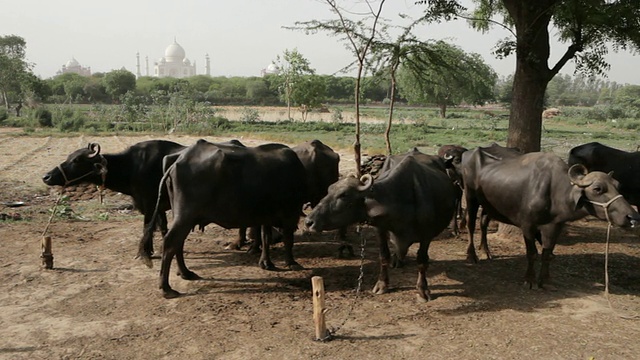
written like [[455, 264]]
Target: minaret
[[146, 59], [207, 66], [138, 74]]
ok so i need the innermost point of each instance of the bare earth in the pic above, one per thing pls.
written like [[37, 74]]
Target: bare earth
[[100, 303]]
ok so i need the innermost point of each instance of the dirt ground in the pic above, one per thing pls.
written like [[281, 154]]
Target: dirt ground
[[100, 303]]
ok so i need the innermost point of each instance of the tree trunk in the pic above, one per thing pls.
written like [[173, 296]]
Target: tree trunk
[[532, 71], [443, 111], [356, 143], [387, 131]]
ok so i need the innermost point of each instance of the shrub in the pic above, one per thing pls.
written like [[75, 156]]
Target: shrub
[[249, 115], [4, 115], [44, 117]]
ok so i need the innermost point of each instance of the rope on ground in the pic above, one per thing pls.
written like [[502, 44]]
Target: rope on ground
[[53, 213]]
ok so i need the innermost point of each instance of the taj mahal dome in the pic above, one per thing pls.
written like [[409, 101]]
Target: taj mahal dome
[[174, 64]]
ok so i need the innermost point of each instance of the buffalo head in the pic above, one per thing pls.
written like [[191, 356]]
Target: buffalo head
[[81, 165], [599, 192], [343, 205]]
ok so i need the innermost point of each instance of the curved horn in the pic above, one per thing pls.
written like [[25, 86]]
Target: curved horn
[[577, 173], [448, 156], [95, 147], [367, 181]]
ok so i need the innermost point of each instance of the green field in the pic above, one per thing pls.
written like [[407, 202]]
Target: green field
[[412, 126]]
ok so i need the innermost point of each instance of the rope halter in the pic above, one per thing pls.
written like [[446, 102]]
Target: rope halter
[[606, 206], [102, 172]]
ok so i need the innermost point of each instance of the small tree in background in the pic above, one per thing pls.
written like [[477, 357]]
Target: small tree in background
[[292, 68], [443, 74], [358, 37]]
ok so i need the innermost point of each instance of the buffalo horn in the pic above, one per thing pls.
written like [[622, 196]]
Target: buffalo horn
[[95, 147], [367, 181], [577, 173]]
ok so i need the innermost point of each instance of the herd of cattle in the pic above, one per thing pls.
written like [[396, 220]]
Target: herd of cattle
[[413, 199]]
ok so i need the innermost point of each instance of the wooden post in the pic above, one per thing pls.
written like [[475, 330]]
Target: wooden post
[[317, 285], [46, 256]]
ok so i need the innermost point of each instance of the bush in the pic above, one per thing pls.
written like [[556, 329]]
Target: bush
[[44, 117], [4, 115], [72, 121]]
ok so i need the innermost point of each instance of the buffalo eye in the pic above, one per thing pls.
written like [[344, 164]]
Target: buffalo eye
[[597, 189]]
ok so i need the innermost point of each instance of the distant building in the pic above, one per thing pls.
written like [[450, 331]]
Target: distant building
[[73, 66], [271, 69], [174, 64]]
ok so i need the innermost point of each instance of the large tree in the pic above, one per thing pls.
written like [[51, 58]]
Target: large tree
[[118, 83], [15, 71], [589, 28]]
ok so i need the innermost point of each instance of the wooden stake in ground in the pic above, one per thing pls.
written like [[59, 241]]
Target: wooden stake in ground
[[317, 285], [46, 256]]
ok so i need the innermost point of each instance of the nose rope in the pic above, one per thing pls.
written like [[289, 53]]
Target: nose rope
[[102, 172], [67, 181], [606, 206]]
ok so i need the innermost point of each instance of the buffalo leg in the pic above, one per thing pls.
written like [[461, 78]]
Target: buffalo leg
[[484, 225], [423, 265], [265, 259], [171, 245], [344, 245], [382, 286], [183, 271], [532, 254], [287, 239], [472, 214], [145, 246], [549, 237], [256, 234], [240, 241]]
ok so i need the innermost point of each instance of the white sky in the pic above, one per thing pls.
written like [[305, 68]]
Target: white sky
[[241, 36]]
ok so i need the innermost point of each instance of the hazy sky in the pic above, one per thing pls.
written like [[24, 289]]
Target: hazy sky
[[241, 36]]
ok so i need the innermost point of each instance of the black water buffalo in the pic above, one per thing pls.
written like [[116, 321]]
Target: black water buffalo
[[538, 192], [625, 166], [492, 153], [413, 199], [135, 171], [321, 166], [233, 187], [452, 155]]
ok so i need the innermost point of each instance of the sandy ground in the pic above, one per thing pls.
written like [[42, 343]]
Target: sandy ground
[[100, 303]]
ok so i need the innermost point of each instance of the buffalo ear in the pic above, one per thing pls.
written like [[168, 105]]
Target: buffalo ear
[[100, 168], [576, 197], [577, 174], [610, 173]]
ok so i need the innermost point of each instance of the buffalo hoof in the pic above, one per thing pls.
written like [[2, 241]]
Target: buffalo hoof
[[189, 275], [266, 265], [396, 263], [295, 266], [380, 288], [349, 249], [233, 246], [472, 258], [146, 259], [424, 297], [170, 294], [254, 248]]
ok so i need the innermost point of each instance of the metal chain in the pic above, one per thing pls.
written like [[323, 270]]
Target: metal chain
[[363, 242]]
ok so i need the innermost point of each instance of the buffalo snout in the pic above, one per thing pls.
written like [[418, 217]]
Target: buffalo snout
[[309, 224]]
